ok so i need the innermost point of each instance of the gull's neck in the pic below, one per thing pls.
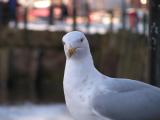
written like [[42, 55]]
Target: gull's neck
[[77, 70]]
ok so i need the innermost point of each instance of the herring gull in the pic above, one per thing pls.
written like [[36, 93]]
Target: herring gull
[[90, 95]]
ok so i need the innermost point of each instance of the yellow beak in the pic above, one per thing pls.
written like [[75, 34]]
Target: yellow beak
[[71, 51]]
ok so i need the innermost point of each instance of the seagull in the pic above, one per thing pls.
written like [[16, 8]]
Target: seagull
[[90, 95]]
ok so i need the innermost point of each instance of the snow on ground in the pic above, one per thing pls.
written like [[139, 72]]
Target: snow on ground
[[61, 26], [34, 112]]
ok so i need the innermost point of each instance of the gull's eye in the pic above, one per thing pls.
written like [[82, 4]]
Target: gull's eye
[[63, 43], [81, 39]]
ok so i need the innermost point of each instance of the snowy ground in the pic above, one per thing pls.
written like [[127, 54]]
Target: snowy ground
[[61, 26], [34, 112]]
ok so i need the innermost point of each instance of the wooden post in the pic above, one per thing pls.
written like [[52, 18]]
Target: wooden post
[[51, 13], [123, 14], [74, 14], [154, 33], [39, 74], [111, 19]]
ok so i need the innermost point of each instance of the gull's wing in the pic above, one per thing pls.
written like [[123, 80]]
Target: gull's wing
[[128, 100]]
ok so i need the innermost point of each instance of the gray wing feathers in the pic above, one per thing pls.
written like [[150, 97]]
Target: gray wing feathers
[[136, 104]]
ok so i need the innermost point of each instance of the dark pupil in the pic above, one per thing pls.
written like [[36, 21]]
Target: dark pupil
[[82, 40]]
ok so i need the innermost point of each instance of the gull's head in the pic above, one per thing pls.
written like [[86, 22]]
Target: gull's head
[[75, 45]]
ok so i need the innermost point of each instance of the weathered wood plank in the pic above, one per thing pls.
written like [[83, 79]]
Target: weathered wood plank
[[3, 74]]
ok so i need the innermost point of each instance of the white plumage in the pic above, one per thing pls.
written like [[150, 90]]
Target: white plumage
[[91, 95]]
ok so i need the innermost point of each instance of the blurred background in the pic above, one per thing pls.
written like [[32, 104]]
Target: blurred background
[[32, 60]]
